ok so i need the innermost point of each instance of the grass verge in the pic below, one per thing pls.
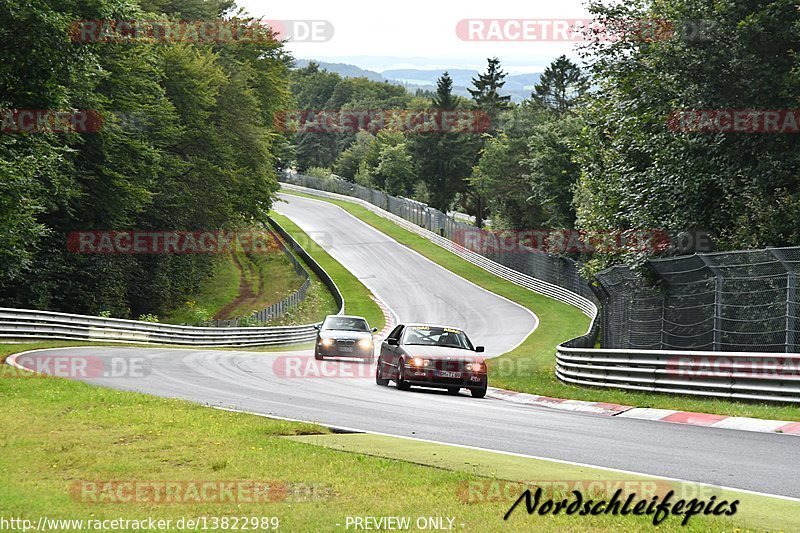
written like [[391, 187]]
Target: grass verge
[[73, 451], [529, 368], [243, 283], [510, 474], [215, 291]]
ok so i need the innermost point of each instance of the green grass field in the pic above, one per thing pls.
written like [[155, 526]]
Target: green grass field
[[529, 368], [221, 287], [72, 451]]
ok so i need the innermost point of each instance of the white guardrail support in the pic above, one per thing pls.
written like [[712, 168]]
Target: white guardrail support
[[725, 375], [33, 324]]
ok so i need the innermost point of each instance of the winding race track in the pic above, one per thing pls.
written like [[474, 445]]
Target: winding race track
[[417, 290]]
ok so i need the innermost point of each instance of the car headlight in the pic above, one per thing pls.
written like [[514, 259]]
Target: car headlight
[[419, 361], [327, 341], [365, 343]]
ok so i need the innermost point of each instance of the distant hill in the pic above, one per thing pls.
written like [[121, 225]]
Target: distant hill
[[462, 77], [519, 86], [342, 69]]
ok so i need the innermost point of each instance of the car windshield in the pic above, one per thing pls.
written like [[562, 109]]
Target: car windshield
[[345, 323], [437, 336]]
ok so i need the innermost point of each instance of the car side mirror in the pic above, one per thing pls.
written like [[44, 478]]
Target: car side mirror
[[316, 327], [374, 330], [392, 342], [480, 349]]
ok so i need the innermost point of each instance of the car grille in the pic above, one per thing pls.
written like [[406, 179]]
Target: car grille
[[345, 343]]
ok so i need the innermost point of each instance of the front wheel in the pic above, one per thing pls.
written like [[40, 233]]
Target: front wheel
[[378, 379], [479, 393], [401, 383], [317, 356]]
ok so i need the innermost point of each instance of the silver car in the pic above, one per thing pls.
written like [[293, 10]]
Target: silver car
[[345, 336]]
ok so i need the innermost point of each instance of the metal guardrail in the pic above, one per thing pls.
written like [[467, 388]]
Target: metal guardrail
[[726, 375], [33, 324], [674, 372]]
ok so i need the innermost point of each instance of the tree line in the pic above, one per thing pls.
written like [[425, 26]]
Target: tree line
[[592, 148], [186, 143]]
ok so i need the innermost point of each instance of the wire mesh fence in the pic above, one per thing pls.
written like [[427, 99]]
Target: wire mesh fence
[[727, 301]]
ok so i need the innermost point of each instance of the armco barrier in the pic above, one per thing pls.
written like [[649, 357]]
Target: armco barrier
[[727, 375], [32, 324], [578, 362]]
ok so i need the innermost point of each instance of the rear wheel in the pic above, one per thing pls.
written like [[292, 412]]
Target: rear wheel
[[401, 383], [379, 377], [479, 393], [453, 391]]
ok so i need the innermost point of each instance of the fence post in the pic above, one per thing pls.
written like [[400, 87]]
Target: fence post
[[717, 301], [791, 286]]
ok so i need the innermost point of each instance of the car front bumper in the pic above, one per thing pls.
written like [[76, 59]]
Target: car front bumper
[[355, 351], [430, 378]]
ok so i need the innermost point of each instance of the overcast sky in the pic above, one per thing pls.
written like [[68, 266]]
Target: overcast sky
[[419, 33]]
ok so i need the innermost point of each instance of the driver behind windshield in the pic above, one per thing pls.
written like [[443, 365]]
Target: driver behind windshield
[[438, 337], [346, 324]]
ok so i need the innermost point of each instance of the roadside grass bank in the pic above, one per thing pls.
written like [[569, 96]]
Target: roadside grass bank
[[244, 283], [214, 292], [530, 367], [508, 475], [75, 451], [357, 298]]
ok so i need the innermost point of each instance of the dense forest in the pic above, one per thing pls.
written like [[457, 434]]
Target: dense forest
[[186, 144], [194, 132]]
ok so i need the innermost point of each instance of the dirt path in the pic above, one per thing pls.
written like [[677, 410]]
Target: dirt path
[[245, 293]]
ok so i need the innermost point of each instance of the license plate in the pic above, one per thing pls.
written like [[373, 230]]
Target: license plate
[[346, 349], [448, 374]]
